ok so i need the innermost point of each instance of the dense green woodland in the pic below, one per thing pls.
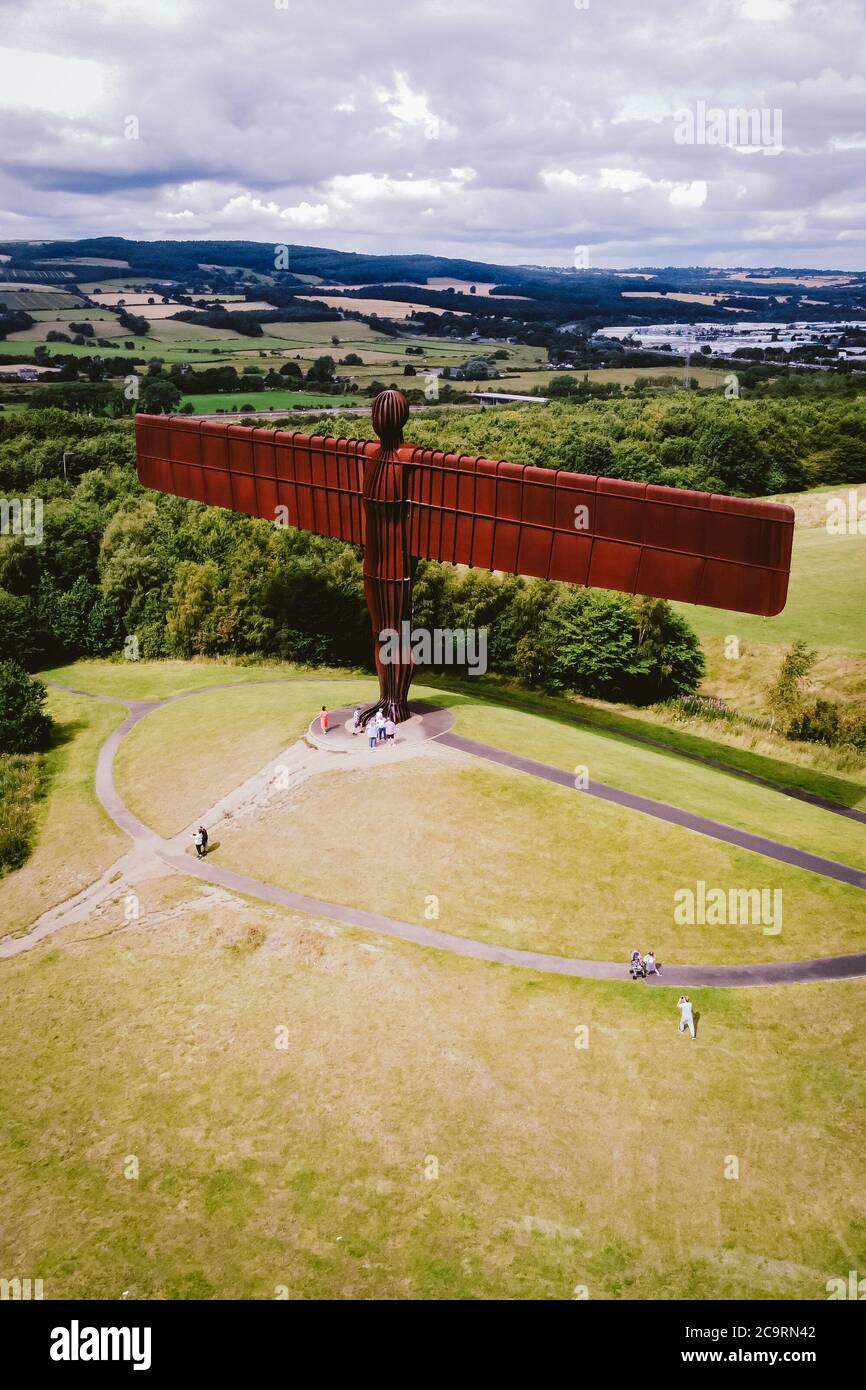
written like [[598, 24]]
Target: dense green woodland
[[120, 561], [749, 448], [547, 295]]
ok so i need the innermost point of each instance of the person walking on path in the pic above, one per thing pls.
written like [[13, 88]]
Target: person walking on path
[[372, 737], [323, 719], [380, 726], [390, 730], [684, 1004], [200, 842], [649, 962], [356, 720]]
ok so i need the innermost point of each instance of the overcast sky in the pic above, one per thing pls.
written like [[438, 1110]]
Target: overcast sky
[[514, 130]]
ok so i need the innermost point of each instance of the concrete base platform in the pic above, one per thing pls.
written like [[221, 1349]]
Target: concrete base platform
[[426, 722]]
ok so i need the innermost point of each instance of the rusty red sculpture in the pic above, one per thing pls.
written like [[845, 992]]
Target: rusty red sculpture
[[403, 504]]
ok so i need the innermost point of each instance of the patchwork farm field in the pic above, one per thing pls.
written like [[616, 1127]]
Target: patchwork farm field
[[264, 401], [37, 299]]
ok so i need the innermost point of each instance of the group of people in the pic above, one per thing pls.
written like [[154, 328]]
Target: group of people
[[641, 966], [382, 729], [199, 839]]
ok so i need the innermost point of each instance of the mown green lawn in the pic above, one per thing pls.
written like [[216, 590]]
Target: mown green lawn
[[264, 401], [545, 868], [219, 1099], [155, 680], [185, 757], [516, 861], [664, 776], [429, 1130]]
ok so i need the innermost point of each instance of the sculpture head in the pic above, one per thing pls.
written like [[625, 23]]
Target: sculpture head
[[390, 413]]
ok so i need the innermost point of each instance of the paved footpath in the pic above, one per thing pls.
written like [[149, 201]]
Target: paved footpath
[[438, 727]]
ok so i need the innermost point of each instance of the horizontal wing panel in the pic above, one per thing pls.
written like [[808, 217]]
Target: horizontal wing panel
[[317, 480], [725, 552]]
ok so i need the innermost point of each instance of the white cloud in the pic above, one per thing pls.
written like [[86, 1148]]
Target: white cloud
[[624, 180], [766, 11], [410, 109], [492, 135], [689, 195], [60, 86], [563, 178]]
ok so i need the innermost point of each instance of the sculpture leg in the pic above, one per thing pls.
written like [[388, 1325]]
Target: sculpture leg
[[390, 604], [388, 565]]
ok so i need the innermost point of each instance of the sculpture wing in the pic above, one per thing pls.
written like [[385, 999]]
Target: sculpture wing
[[725, 552], [317, 480]]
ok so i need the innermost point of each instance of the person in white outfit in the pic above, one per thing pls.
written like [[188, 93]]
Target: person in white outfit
[[649, 961], [684, 1004]]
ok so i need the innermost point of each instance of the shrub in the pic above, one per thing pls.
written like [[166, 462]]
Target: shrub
[[24, 725], [19, 788]]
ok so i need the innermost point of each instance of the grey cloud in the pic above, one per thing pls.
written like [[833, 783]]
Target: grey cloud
[[242, 131]]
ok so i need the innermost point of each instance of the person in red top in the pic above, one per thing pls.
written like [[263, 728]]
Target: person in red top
[[324, 719]]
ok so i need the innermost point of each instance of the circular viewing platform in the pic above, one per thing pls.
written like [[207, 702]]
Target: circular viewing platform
[[426, 721]]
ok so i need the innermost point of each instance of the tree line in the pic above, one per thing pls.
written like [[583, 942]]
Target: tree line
[[119, 562]]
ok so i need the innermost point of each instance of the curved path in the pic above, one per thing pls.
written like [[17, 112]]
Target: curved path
[[437, 726]]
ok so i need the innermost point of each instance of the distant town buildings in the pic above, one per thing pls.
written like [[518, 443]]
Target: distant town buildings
[[725, 339], [23, 372], [506, 398]]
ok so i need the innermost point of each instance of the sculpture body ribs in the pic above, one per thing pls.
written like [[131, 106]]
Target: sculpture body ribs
[[388, 565], [403, 504]]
